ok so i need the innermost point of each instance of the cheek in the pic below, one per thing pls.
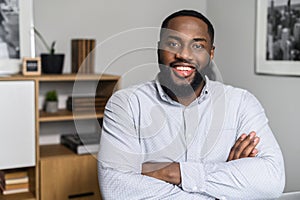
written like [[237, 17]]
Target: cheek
[[202, 59], [166, 57]]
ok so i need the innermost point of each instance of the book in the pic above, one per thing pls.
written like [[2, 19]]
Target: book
[[94, 99], [14, 186], [15, 191], [86, 103], [83, 55], [12, 174], [16, 180], [81, 143]]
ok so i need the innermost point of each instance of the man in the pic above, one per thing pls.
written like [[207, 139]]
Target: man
[[183, 136]]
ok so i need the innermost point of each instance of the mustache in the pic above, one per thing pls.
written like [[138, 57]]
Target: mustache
[[183, 63]]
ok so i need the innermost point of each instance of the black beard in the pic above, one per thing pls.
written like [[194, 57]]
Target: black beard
[[175, 90]]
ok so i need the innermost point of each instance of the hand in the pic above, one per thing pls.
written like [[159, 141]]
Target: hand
[[244, 147], [169, 172]]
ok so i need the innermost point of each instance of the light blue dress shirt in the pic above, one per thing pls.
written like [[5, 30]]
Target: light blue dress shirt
[[143, 124]]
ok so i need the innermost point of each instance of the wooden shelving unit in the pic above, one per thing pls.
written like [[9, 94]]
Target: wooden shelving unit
[[56, 165]]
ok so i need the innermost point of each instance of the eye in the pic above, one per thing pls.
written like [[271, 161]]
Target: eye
[[197, 46], [173, 44]]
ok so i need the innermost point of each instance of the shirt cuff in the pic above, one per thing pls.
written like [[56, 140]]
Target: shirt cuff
[[192, 177]]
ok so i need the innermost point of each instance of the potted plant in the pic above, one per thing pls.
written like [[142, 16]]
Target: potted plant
[[51, 101], [52, 63]]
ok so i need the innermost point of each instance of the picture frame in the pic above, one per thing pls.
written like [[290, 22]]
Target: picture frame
[[25, 31], [31, 66], [277, 50]]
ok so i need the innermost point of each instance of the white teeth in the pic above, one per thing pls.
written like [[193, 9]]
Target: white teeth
[[184, 68]]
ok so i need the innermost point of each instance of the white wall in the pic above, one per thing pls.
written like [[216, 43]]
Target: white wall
[[234, 22], [121, 49]]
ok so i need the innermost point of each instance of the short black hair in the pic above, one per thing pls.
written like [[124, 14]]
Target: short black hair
[[192, 13]]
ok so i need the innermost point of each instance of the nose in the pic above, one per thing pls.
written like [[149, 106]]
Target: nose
[[184, 54]]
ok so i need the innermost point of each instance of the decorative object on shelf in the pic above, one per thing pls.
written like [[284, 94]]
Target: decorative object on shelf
[[52, 63], [83, 56], [51, 101], [81, 143], [86, 103], [277, 37], [16, 35], [14, 181], [31, 66]]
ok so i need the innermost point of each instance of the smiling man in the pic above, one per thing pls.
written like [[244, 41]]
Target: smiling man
[[183, 136], [184, 50]]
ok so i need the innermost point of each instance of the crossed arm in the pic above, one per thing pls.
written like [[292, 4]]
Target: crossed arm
[[170, 172], [243, 176]]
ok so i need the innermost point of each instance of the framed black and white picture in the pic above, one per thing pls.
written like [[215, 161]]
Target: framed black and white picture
[[278, 37], [16, 34]]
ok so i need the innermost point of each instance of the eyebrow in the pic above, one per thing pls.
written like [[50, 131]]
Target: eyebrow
[[200, 40], [194, 39]]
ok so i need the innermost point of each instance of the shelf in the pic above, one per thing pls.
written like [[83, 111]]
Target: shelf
[[23, 196], [73, 77], [54, 150], [65, 115], [64, 77]]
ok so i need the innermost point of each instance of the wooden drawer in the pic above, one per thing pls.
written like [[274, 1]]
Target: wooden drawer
[[69, 177]]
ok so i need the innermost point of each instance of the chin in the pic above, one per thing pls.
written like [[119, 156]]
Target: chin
[[179, 86]]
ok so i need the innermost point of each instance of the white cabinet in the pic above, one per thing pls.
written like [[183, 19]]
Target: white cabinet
[[17, 124]]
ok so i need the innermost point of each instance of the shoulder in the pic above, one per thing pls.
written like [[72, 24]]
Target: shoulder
[[229, 90], [234, 94], [133, 93]]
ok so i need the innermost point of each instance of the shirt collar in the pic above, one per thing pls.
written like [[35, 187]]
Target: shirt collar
[[161, 92], [205, 91], [207, 86]]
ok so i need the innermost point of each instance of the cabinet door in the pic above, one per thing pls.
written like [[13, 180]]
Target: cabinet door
[[17, 124], [69, 177]]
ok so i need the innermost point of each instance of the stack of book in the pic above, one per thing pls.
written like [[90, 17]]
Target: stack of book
[[86, 104], [83, 55], [14, 181], [87, 143]]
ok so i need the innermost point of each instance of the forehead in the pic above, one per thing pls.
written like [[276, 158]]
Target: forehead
[[187, 26]]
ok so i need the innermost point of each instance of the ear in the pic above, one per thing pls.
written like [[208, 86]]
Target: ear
[[158, 47], [212, 52], [158, 51], [158, 44]]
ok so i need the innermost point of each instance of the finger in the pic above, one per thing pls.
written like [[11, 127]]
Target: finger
[[231, 154], [237, 143], [249, 149], [243, 145], [253, 153]]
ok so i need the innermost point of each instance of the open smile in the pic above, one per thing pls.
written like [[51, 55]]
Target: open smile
[[183, 70]]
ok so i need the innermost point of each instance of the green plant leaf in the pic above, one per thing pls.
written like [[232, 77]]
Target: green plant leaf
[[51, 96], [51, 49]]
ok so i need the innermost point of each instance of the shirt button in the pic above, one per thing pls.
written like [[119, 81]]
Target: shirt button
[[194, 188]]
